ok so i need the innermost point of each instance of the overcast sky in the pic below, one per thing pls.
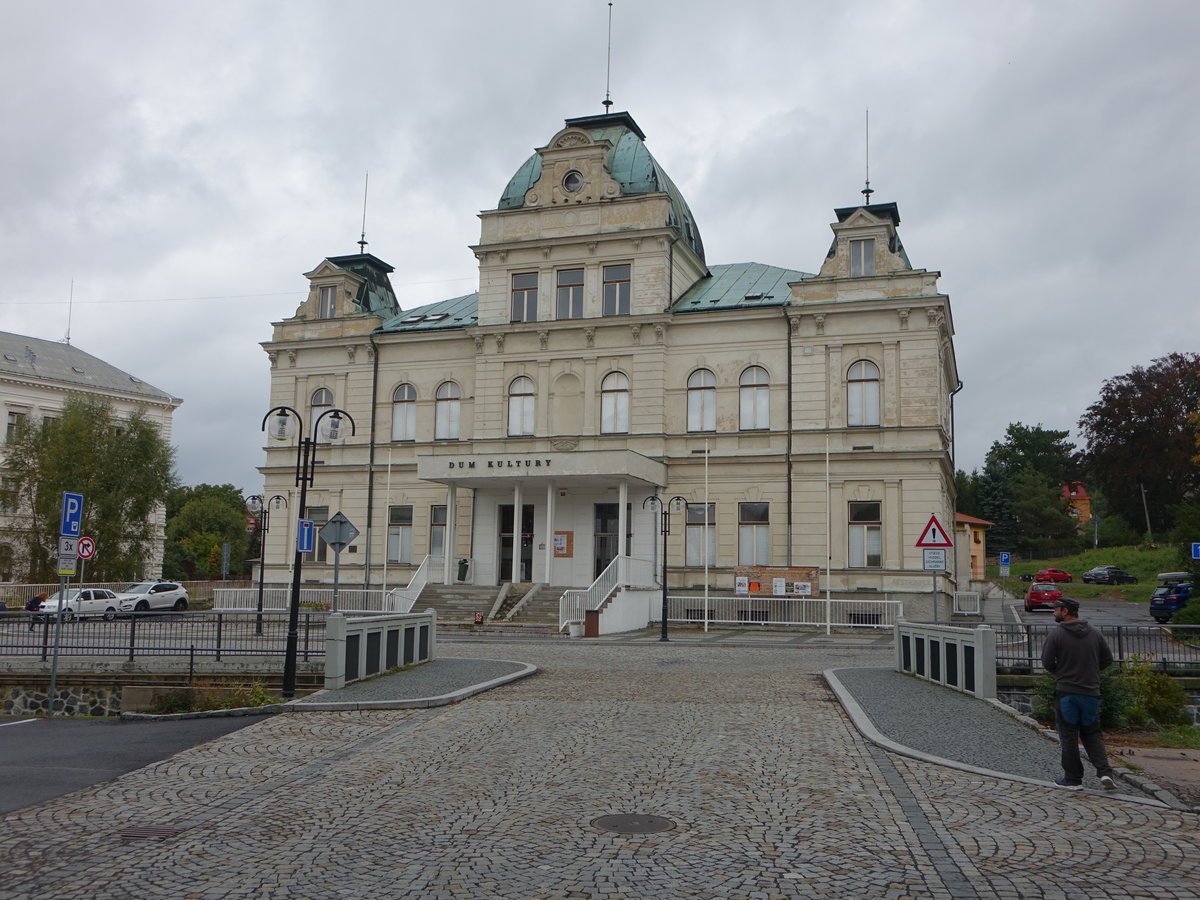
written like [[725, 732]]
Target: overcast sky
[[185, 162]]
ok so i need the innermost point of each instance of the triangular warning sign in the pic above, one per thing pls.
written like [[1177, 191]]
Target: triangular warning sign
[[934, 535]]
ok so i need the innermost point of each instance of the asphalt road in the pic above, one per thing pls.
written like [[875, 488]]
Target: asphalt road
[[45, 758]]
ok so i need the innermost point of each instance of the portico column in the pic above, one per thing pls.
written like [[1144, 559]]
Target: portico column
[[551, 495], [451, 533], [622, 529]]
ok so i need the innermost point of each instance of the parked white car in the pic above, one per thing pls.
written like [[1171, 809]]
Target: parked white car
[[83, 602], [148, 595]]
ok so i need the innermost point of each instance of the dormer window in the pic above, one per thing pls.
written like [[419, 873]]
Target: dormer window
[[327, 303], [862, 257]]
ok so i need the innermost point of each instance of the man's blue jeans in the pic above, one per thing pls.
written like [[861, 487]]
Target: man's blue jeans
[[1078, 718]]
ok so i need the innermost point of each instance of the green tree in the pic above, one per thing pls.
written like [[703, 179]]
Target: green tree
[[1141, 436], [1027, 459], [1044, 526], [123, 467], [214, 562], [206, 516], [966, 490]]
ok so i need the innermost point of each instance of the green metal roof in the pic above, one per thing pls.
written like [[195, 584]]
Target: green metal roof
[[739, 285], [458, 312], [630, 165]]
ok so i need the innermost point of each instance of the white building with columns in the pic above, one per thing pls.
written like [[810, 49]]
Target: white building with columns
[[806, 418]]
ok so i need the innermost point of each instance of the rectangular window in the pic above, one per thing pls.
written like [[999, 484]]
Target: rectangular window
[[320, 551], [399, 548], [437, 531], [701, 521], [15, 421], [866, 535], [8, 496], [328, 305], [524, 297], [616, 290], [570, 294], [754, 546], [862, 257]]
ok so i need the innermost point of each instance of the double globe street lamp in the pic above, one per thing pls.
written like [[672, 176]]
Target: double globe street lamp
[[260, 508], [664, 509], [285, 422]]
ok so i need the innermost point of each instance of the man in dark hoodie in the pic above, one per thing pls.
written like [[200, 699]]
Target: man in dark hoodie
[[1074, 653]]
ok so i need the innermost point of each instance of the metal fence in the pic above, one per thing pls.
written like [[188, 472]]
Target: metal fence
[[1174, 649], [782, 611], [196, 634]]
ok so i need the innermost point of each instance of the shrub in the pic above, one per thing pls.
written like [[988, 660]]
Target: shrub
[[1156, 699], [1115, 699], [222, 695]]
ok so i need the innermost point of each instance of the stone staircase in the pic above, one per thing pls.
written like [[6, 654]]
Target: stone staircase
[[457, 605]]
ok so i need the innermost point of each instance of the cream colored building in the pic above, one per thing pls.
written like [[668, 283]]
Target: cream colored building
[[37, 378], [604, 360]]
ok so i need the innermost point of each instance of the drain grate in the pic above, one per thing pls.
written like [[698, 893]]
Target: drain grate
[[148, 832], [633, 824]]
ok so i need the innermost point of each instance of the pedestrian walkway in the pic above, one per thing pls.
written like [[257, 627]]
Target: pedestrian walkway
[[553, 786]]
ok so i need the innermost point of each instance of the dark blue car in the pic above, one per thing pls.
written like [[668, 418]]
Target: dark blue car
[[1170, 596]]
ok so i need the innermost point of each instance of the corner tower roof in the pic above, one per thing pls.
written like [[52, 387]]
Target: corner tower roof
[[628, 162]]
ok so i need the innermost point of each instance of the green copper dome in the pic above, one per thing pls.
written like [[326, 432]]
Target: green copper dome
[[630, 165]]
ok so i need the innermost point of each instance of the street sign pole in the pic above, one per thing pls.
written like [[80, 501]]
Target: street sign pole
[[70, 528]]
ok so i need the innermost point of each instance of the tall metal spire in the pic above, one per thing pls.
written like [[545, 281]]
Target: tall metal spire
[[866, 191], [362, 239], [608, 71]]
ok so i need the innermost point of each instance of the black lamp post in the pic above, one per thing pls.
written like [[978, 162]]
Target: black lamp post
[[664, 509], [262, 518], [282, 428]]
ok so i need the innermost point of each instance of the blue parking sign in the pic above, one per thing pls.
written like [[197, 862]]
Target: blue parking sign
[[72, 515], [1195, 551], [1005, 559]]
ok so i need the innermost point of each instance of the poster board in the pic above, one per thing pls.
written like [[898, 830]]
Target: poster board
[[776, 581]]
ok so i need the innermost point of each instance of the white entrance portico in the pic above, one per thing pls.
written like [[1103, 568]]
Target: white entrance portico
[[554, 518]]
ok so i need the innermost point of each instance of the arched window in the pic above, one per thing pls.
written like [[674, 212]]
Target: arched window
[[520, 406], [614, 404], [702, 401], [862, 394], [404, 413], [446, 409], [322, 397], [755, 399]]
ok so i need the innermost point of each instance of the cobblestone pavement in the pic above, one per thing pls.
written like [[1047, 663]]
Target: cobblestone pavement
[[772, 792]]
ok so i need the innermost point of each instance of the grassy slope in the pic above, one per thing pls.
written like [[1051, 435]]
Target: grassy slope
[[1143, 563]]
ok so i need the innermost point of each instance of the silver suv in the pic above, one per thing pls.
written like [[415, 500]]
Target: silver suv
[[148, 595]]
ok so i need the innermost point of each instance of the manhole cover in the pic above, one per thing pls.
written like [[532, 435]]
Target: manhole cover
[[635, 824], [148, 833]]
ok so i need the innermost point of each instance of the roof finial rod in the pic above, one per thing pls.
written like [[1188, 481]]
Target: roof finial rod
[[362, 239], [70, 308], [866, 191], [608, 71]]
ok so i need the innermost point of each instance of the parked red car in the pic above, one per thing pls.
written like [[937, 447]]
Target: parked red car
[[1042, 596], [1052, 575]]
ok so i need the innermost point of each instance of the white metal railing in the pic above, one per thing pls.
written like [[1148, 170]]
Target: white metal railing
[[952, 655], [350, 600], [401, 600], [818, 611], [574, 603], [966, 603]]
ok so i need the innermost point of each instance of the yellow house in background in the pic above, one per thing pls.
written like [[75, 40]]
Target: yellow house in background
[[972, 534]]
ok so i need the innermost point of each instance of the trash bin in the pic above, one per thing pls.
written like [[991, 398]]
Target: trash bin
[[464, 566]]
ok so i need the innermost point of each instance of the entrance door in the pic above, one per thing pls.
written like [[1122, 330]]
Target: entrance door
[[508, 540], [606, 540]]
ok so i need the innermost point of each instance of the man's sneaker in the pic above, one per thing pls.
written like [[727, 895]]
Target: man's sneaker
[[1068, 784], [1106, 781]]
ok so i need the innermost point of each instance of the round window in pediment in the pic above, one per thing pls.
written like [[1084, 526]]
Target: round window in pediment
[[572, 182]]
